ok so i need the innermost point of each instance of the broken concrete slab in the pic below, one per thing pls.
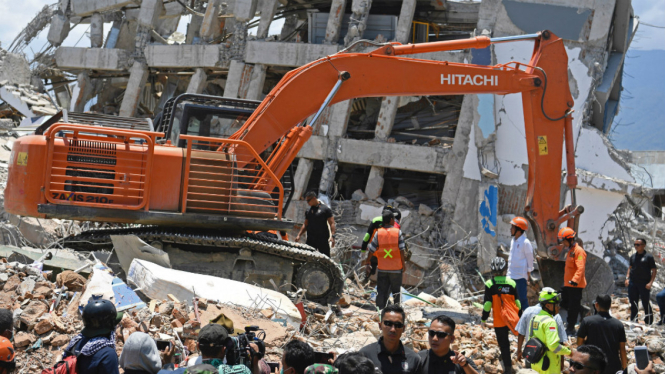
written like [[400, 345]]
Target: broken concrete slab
[[130, 247], [66, 259], [158, 282], [459, 316]]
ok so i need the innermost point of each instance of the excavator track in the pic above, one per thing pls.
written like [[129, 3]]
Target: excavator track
[[310, 260]]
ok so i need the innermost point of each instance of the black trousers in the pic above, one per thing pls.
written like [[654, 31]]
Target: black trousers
[[385, 284], [637, 292], [572, 301], [323, 245], [504, 347]]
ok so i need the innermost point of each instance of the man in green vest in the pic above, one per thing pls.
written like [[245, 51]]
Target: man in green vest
[[544, 327]]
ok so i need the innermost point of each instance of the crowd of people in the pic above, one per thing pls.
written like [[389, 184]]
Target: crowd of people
[[542, 334]]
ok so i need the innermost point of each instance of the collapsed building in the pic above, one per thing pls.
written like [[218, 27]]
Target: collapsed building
[[455, 165]]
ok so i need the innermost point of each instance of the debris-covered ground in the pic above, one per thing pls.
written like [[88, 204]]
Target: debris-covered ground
[[47, 316]]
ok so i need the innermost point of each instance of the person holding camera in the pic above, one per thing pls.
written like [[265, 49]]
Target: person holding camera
[[140, 355]]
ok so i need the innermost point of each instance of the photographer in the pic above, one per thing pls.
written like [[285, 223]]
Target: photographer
[[141, 356], [212, 343]]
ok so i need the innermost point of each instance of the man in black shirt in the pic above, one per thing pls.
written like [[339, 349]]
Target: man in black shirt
[[640, 277], [317, 219], [440, 359], [606, 333], [389, 355]]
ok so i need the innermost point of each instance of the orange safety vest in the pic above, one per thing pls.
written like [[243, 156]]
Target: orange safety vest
[[388, 253]]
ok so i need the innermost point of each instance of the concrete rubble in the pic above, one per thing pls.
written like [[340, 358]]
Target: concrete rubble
[[450, 164], [47, 315]]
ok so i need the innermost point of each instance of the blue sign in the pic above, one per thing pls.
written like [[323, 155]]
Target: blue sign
[[488, 209]]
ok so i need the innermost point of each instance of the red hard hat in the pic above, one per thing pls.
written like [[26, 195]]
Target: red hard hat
[[520, 222], [566, 233]]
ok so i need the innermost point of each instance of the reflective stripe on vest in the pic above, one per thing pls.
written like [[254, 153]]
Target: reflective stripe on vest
[[388, 252]]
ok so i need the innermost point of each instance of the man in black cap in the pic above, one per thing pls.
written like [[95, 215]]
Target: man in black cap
[[95, 345]]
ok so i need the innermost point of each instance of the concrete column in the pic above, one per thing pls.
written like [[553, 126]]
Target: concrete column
[[339, 120], [290, 24], [358, 24], [198, 81], [245, 10], [268, 10], [233, 79], [96, 30], [82, 92], [210, 26], [301, 177], [258, 79], [384, 126], [194, 30], [335, 21], [405, 20], [374, 185], [138, 75], [59, 29], [149, 12]]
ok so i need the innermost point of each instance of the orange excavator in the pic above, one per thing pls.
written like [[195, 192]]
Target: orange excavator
[[211, 195]]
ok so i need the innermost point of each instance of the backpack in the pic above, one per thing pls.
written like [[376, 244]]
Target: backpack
[[202, 369], [65, 366]]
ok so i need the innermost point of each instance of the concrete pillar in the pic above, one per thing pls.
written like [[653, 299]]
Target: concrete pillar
[[358, 24], [233, 79], [335, 21], [198, 81], [210, 26], [138, 75], [96, 30], [62, 95], [149, 12], [338, 122], [194, 30], [405, 20], [374, 185], [384, 124], [245, 10], [82, 92], [384, 127], [258, 79], [59, 29], [268, 9], [301, 177], [290, 24]]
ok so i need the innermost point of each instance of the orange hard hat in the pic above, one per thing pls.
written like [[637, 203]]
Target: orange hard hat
[[566, 233], [520, 222], [6, 355]]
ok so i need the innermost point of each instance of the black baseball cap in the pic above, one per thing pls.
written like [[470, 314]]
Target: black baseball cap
[[213, 334]]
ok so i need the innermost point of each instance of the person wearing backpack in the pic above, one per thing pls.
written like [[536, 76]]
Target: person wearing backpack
[[94, 347], [544, 329], [501, 296]]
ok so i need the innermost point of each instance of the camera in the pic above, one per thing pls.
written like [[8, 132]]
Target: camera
[[239, 351]]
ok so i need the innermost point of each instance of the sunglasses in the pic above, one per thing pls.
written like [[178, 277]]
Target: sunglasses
[[580, 366], [438, 334], [397, 325], [638, 244]]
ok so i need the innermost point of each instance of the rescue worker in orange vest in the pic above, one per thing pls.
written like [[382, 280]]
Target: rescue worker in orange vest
[[388, 247], [501, 296], [574, 280]]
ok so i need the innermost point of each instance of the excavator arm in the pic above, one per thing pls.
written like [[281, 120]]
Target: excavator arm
[[543, 83]]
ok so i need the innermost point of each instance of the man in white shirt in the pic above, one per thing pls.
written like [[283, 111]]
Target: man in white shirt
[[520, 260]]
